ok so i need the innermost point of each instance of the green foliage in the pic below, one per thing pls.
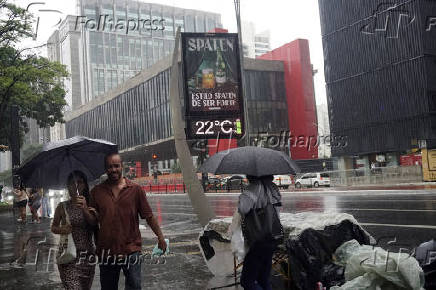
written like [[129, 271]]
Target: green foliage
[[31, 82], [15, 23]]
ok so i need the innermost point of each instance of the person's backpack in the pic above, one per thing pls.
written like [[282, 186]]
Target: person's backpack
[[262, 225]]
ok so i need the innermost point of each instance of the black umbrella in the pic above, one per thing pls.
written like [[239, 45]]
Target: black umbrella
[[51, 167], [250, 160]]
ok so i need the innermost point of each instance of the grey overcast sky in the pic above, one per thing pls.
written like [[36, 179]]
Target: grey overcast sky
[[287, 20]]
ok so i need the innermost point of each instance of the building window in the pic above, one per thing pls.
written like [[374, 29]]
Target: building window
[[100, 81], [126, 52], [113, 46], [108, 80], [138, 54], [150, 57], [120, 60], [189, 23], [108, 14], [107, 48], [179, 22], [90, 13], [133, 18], [156, 16], [93, 46], [145, 18], [132, 53], [95, 81], [199, 23], [114, 78], [210, 23], [120, 13], [169, 25], [98, 38]]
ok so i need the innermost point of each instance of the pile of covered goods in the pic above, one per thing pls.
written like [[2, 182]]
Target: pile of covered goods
[[319, 248]]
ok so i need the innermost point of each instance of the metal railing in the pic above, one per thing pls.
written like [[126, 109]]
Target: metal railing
[[377, 176]]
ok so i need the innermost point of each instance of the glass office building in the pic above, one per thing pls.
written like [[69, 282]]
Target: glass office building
[[110, 41]]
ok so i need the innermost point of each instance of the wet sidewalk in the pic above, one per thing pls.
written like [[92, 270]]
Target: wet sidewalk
[[29, 246]]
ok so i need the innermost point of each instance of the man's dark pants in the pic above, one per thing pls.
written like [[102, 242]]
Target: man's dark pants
[[256, 270], [110, 274]]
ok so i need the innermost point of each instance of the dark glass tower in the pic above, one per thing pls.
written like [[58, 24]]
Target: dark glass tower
[[380, 70]]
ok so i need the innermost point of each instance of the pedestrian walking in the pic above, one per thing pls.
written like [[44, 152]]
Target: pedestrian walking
[[260, 241], [79, 273], [119, 203], [34, 204], [20, 201], [46, 210]]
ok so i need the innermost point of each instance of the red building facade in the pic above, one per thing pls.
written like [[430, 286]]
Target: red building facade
[[300, 97], [300, 93]]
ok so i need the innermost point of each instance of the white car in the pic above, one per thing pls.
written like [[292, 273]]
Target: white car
[[283, 181], [313, 180]]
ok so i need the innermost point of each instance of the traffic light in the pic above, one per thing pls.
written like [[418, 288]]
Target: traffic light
[[154, 156]]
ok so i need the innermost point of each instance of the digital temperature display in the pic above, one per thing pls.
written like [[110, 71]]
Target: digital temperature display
[[222, 128], [212, 80]]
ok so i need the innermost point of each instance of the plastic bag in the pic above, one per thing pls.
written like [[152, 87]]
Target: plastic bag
[[238, 246], [67, 250], [310, 253], [158, 252], [366, 282], [369, 268]]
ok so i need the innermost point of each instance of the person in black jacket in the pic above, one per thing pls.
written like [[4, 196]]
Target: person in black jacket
[[256, 270]]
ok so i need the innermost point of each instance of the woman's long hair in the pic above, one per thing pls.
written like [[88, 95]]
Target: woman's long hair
[[79, 174]]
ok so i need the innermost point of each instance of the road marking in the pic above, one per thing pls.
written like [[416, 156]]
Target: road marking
[[386, 209], [340, 209], [399, 226], [363, 192], [193, 253]]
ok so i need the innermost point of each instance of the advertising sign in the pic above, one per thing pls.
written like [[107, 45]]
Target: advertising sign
[[428, 164], [212, 79]]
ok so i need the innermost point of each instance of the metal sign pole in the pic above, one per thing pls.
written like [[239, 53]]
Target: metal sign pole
[[195, 191], [241, 57]]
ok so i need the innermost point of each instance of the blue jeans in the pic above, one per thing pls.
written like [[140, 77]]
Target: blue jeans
[[256, 270], [110, 274]]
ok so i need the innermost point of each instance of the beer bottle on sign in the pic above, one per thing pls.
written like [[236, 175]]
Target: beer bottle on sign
[[220, 69]]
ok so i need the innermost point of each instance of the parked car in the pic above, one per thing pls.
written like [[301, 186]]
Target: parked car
[[234, 182], [213, 183], [282, 181], [313, 180]]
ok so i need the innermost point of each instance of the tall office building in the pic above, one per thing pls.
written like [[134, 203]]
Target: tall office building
[[254, 44], [380, 71], [110, 41], [323, 131], [262, 43]]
